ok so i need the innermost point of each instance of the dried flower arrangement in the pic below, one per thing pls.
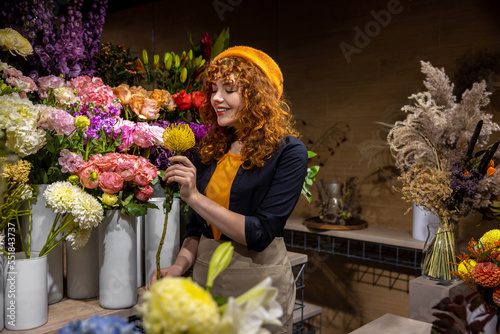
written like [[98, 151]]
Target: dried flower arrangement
[[434, 148]]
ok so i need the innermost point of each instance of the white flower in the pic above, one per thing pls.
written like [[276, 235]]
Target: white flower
[[61, 196], [25, 191], [253, 309], [79, 237], [12, 41], [64, 95], [25, 141], [4, 66], [87, 210]]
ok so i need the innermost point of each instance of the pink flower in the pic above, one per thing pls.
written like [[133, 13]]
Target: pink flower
[[144, 193], [51, 82], [12, 72], [62, 122], [128, 168], [110, 182], [84, 174], [157, 134], [146, 174], [142, 135], [127, 128], [92, 90], [70, 162]]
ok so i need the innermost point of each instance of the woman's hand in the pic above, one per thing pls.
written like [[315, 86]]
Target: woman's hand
[[173, 271], [183, 172]]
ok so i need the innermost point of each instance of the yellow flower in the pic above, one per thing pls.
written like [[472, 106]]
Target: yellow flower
[[12, 41], [109, 199], [81, 123], [17, 172], [177, 305], [178, 138], [489, 238], [465, 268]]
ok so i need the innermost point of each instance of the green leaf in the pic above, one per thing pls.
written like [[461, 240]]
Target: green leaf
[[219, 44], [136, 210], [311, 154]]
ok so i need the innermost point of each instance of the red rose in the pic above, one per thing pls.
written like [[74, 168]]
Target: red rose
[[206, 46], [197, 99], [182, 100]]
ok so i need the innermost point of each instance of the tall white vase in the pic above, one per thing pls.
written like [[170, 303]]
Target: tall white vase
[[153, 227], [41, 223], [82, 269], [140, 250], [26, 304], [117, 261], [421, 218]]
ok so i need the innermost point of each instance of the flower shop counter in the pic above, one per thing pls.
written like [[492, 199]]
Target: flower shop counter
[[70, 310], [380, 244]]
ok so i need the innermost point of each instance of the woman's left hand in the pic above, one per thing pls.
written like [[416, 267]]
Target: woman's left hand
[[183, 172]]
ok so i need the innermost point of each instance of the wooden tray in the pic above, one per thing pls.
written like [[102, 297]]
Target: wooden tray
[[352, 224]]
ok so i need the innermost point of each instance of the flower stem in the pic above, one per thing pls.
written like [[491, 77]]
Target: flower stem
[[439, 259], [169, 198]]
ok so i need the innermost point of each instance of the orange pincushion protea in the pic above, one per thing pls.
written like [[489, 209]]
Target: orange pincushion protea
[[486, 274]]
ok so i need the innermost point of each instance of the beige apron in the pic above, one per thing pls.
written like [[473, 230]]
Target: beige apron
[[247, 269]]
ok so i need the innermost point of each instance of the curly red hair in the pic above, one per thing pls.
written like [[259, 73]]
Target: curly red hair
[[264, 121]]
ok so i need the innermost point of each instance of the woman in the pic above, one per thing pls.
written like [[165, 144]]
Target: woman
[[251, 171]]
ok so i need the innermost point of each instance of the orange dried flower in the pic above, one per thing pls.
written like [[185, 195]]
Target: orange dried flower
[[496, 295], [466, 173], [490, 171], [491, 164], [486, 274]]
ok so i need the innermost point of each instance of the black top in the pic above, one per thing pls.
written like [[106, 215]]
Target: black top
[[266, 196]]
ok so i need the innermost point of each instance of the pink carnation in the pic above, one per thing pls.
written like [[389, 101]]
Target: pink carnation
[[12, 72], [47, 83], [70, 162]]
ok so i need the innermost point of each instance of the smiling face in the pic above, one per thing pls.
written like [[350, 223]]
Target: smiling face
[[226, 99]]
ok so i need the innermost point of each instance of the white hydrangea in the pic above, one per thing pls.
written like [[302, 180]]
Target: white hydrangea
[[25, 140], [14, 109]]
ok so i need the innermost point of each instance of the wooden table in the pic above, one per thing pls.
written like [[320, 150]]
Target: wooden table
[[67, 310], [394, 324]]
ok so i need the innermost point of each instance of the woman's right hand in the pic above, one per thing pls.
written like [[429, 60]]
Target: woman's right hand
[[173, 271], [183, 172]]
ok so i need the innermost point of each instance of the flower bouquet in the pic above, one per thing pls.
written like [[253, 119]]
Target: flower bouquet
[[119, 180], [434, 149], [480, 269]]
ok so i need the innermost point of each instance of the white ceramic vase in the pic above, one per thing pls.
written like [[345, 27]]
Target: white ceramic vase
[[117, 261], [26, 303], [421, 218], [82, 269], [154, 222], [41, 223]]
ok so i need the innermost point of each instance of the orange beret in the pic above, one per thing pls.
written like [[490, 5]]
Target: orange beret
[[260, 59]]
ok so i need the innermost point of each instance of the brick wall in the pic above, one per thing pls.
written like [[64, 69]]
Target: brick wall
[[343, 61]]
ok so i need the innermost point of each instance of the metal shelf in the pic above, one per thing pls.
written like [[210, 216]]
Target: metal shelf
[[395, 255]]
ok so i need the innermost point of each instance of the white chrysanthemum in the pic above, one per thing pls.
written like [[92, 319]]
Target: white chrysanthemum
[[177, 305], [12, 41], [87, 210], [79, 237], [61, 196]]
